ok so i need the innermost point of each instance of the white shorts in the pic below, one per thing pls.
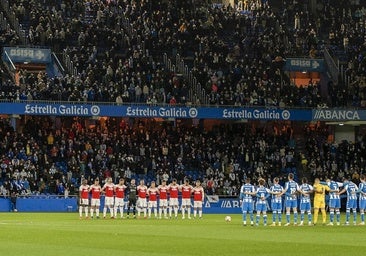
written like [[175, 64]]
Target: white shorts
[[95, 202], [109, 201], [163, 203], [186, 202], [84, 201], [119, 202], [197, 204], [142, 203], [153, 204], [173, 202]]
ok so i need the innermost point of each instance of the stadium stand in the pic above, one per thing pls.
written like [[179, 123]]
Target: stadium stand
[[117, 49]]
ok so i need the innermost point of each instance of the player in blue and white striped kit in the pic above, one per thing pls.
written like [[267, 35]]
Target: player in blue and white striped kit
[[246, 195], [290, 191], [276, 202], [334, 201], [362, 198], [262, 194], [351, 189], [305, 203]]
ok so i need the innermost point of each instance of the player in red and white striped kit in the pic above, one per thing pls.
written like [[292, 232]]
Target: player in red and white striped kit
[[95, 190], [108, 189], [153, 192], [198, 197], [173, 189], [186, 199], [119, 202], [163, 199], [84, 198], [142, 203]]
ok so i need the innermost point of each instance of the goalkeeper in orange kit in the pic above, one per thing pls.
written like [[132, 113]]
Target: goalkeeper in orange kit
[[319, 200]]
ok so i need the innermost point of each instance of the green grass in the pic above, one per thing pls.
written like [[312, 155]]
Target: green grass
[[54, 234]]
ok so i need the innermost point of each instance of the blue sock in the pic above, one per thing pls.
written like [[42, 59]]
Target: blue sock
[[310, 217], [257, 219], [302, 216], [244, 216], [362, 217], [331, 216], [295, 217], [348, 214], [251, 216], [274, 213], [279, 217], [265, 219], [338, 215], [354, 215], [288, 218]]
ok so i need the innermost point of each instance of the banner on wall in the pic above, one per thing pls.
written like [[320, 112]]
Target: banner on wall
[[149, 111], [30, 55], [303, 64]]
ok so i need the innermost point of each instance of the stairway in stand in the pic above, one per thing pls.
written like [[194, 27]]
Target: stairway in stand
[[300, 140]]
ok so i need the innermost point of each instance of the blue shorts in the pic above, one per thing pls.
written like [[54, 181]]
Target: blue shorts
[[351, 204], [260, 207], [291, 203], [362, 204], [247, 207], [276, 206], [305, 206], [335, 203]]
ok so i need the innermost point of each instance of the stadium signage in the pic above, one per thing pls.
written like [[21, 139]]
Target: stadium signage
[[164, 112], [73, 110], [264, 114], [328, 115], [32, 55], [302, 64]]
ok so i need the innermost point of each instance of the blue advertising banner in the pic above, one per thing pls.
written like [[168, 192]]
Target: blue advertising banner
[[31, 55], [148, 111], [338, 115], [5, 205], [302, 64]]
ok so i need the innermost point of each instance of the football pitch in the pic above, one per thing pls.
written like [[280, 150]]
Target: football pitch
[[41, 234]]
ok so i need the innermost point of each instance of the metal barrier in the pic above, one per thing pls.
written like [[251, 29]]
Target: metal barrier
[[10, 66], [58, 63], [198, 93], [333, 67], [3, 21], [69, 63]]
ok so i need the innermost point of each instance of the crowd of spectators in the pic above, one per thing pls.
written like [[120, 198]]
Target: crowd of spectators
[[49, 158], [325, 157], [237, 56], [347, 40]]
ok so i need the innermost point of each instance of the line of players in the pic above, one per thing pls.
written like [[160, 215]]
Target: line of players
[[292, 192], [144, 199]]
